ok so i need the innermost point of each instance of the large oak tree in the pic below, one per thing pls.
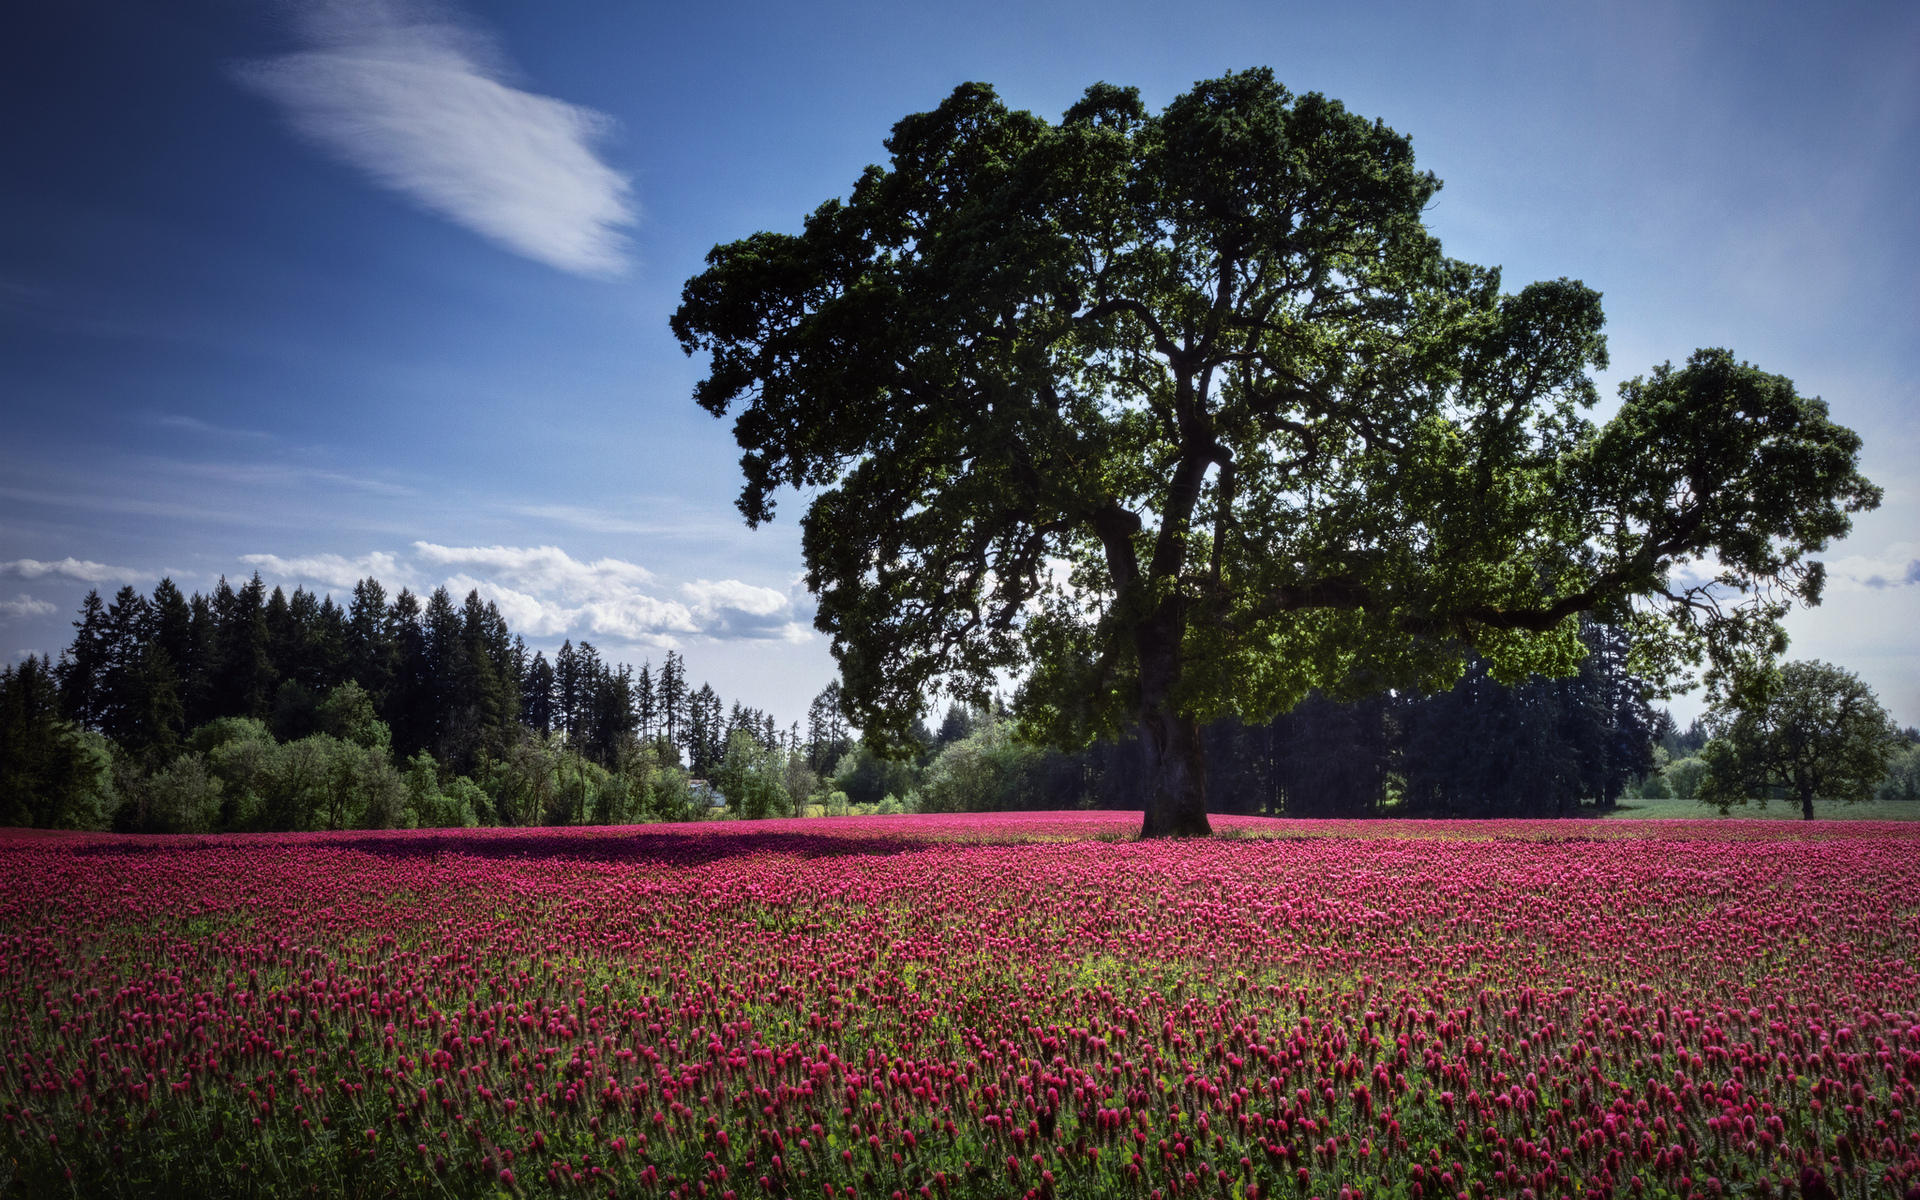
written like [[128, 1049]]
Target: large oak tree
[[1180, 414]]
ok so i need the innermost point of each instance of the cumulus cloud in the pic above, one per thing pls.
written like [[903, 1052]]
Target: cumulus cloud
[[333, 570], [84, 570], [24, 606], [730, 608], [1896, 566], [544, 592], [547, 568], [421, 105]]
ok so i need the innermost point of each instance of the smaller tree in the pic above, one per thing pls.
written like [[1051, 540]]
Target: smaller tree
[[979, 773], [753, 777], [1903, 771], [1809, 729]]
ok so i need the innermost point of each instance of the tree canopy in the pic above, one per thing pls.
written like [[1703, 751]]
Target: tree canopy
[[1809, 729], [1182, 414]]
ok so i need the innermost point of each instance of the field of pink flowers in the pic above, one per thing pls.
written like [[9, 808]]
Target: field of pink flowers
[[981, 1006]]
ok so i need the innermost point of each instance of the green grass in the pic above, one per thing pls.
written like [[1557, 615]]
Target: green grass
[[1776, 810]]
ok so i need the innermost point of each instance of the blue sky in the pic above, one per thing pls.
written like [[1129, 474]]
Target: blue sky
[[327, 287]]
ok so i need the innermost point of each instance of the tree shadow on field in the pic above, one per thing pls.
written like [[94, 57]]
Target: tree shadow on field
[[682, 847]]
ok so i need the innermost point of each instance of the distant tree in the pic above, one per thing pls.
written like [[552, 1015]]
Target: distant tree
[[327, 643], [455, 681], [47, 774], [1482, 749], [1682, 743], [801, 779], [1182, 414], [347, 713], [646, 710], [83, 666], [981, 772], [286, 636], [1331, 759], [446, 667], [140, 704], [244, 681], [867, 777], [1809, 729], [752, 776], [197, 693], [296, 711], [172, 629], [1606, 715], [705, 729], [408, 708], [671, 693], [369, 641], [1903, 771], [491, 684], [612, 722], [537, 695], [958, 723], [479, 694], [826, 729]]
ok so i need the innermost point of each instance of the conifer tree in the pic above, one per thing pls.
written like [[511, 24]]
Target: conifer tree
[[244, 679], [408, 709], [645, 706], [536, 694], [45, 773], [83, 665], [328, 646], [447, 670], [203, 651], [369, 641], [124, 643], [672, 700], [826, 729], [173, 626], [705, 730]]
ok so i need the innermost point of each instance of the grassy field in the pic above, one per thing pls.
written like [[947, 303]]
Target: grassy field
[[1693, 810]]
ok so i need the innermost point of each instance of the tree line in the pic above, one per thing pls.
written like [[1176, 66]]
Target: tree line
[[449, 678], [1543, 748], [254, 710], [246, 708]]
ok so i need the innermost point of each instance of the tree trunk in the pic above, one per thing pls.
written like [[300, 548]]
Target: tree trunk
[[1176, 791], [1176, 776], [1806, 803]]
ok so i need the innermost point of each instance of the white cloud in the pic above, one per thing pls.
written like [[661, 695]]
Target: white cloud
[[731, 608], [543, 568], [1896, 566], [84, 570], [24, 606], [331, 570], [544, 592], [547, 592], [407, 96]]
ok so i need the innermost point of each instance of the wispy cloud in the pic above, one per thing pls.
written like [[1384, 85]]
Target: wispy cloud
[[1896, 566], [591, 519], [195, 425], [544, 592], [24, 606], [418, 101], [84, 570]]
